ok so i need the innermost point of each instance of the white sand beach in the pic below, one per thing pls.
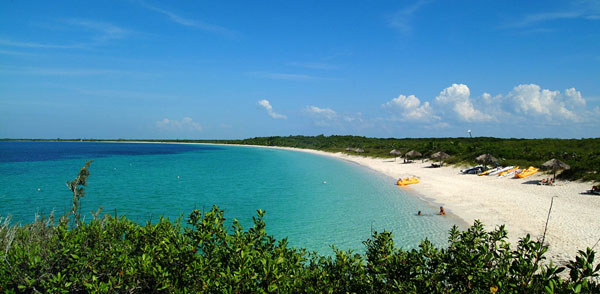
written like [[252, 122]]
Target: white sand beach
[[520, 204]]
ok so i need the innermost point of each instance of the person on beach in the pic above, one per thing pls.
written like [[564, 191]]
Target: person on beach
[[442, 212], [419, 213]]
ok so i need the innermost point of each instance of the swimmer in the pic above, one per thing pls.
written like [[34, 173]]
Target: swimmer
[[419, 213]]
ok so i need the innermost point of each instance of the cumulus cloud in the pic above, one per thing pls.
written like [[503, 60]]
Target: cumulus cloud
[[458, 97], [185, 124], [531, 99], [411, 108], [323, 112], [267, 105], [329, 118], [455, 105]]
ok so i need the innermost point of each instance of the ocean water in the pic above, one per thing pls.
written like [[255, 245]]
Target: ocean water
[[314, 200]]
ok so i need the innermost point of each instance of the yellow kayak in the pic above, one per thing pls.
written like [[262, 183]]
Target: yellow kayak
[[407, 181], [507, 171], [527, 172], [484, 173]]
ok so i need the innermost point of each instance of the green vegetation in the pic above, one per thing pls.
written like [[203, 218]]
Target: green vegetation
[[115, 255]]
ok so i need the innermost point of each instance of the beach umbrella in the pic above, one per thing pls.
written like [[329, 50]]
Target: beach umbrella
[[486, 158], [413, 153], [395, 153], [359, 150], [555, 164], [440, 155]]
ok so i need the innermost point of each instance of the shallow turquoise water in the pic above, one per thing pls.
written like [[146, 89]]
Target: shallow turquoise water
[[288, 185]]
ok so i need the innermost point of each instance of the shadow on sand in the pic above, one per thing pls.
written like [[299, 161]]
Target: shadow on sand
[[531, 182], [433, 166]]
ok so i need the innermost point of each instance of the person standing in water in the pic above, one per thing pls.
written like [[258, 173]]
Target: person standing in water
[[442, 211]]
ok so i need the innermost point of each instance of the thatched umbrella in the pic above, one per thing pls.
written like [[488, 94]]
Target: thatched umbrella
[[413, 153], [485, 159], [555, 164], [440, 155], [349, 149], [395, 153], [359, 150]]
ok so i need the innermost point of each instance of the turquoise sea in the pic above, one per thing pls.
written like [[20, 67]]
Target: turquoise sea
[[314, 200]]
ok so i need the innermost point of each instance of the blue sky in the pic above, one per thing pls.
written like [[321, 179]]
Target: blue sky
[[238, 69]]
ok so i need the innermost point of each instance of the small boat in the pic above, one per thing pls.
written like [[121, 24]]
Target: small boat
[[527, 172], [485, 173], [472, 170], [407, 181], [510, 173], [494, 173], [512, 169]]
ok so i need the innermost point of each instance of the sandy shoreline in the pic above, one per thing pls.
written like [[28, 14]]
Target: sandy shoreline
[[520, 204]]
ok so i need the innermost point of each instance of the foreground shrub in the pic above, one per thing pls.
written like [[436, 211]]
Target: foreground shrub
[[111, 255]]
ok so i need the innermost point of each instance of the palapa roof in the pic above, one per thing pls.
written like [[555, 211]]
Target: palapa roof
[[555, 164], [413, 153], [440, 155], [395, 152], [486, 158]]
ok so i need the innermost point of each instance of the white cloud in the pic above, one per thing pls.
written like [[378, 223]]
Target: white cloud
[[340, 122], [191, 22], [323, 112], [267, 105], [37, 45], [106, 31], [313, 65], [103, 31], [531, 99], [287, 76], [68, 71], [411, 108], [458, 97], [527, 103], [587, 10], [402, 18], [185, 124]]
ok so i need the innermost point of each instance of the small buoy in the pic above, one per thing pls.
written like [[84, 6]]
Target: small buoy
[[324, 182], [39, 189]]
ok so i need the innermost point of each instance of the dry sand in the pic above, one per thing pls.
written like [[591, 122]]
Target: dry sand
[[520, 204]]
